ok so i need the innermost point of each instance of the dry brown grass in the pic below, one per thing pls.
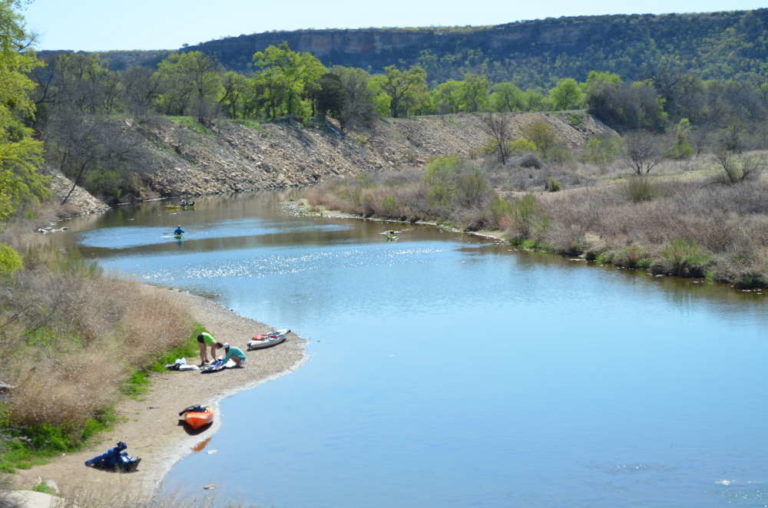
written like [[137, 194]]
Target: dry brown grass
[[600, 211], [72, 337], [730, 222]]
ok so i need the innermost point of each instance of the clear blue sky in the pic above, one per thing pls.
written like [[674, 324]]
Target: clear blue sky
[[95, 25]]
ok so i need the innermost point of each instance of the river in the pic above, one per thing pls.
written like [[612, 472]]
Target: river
[[446, 370]]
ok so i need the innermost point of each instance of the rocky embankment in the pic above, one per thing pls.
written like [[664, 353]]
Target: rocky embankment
[[230, 157]]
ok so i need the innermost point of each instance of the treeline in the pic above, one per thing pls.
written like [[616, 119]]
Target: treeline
[[298, 85]]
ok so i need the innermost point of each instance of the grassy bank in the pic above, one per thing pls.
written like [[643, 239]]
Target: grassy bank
[[75, 342], [687, 218]]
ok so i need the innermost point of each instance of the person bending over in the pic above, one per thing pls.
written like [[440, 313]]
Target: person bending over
[[233, 352], [203, 340]]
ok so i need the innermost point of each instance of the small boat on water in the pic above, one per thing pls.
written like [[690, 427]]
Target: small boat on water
[[391, 235], [197, 417], [264, 340], [184, 205]]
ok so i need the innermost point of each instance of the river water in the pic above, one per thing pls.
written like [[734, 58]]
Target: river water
[[448, 371]]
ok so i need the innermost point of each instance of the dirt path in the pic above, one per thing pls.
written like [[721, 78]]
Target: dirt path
[[150, 425]]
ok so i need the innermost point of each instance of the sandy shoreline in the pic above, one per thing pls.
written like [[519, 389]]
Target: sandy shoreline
[[149, 425]]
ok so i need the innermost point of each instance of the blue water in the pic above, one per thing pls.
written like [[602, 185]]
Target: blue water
[[447, 371]]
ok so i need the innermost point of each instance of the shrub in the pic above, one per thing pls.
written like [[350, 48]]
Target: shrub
[[631, 257], [441, 169], [10, 261], [521, 146], [738, 168], [639, 188], [752, 280], [542, 135], [389, 206], [472, 188], [440, 180], [529, 161], [552, 185], [681, 148], [602, 150], [575, 119], [684, 258], [500, 208], [528, 218]]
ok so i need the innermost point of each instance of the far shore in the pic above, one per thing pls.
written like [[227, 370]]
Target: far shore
[[149, 424]]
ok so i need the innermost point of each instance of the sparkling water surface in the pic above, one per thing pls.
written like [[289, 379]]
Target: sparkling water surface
[[449, 371]]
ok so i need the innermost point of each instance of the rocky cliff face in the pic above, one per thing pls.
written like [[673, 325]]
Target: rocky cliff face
[[236, 158]]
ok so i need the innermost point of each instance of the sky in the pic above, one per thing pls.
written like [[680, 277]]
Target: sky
[[100, 25]]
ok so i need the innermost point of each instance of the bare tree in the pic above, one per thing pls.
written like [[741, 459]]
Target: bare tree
[[498, 128], [79, 144], [141, 87], [642, 152]]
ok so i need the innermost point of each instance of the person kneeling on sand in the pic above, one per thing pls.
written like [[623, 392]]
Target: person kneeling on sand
[[203, 340], [233, 352]]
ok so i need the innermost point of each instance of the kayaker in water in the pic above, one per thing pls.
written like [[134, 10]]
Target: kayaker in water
[[203, 340], [233, 352], [178, 231]]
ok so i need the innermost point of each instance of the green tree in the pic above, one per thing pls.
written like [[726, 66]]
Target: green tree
[[682, 149], [329, 96], [407, 90], [191, 85], [358, 109], [507, 98], [474, 93], [234, 97], [77, 81], [10, 261], [536, 101], [625, 106], [20, 155], [287, 79], [542, 135], [567, 94], [447, 97], [597, 80], [141, 88]]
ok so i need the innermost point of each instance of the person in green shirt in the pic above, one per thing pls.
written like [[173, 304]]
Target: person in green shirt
[[233, 352], [203, 340]]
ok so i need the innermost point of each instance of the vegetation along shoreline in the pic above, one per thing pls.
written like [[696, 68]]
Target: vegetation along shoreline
[[646, 155]]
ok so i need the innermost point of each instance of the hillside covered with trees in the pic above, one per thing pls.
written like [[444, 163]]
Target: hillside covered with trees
[[533, 54]]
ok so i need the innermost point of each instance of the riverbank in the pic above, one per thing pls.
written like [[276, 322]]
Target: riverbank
[[149, 424], [680, 222]]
